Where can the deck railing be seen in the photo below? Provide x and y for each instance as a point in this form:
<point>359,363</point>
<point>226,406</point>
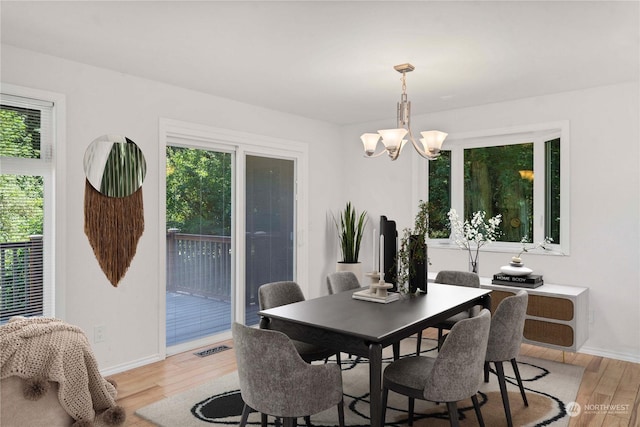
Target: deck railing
<point>21,278</point>
<point>199,264</point>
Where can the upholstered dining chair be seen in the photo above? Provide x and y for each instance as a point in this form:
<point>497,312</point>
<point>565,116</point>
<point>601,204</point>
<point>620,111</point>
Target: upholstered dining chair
<point>458,278</point>
<point>276,294</point>
<point>455,374</point>
<point>274,380</point>
<point>342,281</point>
<point>505,337</point>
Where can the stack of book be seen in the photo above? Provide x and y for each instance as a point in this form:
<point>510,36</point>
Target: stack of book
<point>366,295</point>
<point>528,281</point>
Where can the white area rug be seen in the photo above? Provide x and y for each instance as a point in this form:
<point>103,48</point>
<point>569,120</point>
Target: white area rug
<point>550,386</point>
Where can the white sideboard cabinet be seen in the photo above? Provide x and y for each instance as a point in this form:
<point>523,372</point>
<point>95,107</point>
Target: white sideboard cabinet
<point>557,315</point>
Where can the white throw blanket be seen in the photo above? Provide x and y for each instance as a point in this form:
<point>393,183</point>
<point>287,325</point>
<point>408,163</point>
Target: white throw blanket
<point>53,350</point>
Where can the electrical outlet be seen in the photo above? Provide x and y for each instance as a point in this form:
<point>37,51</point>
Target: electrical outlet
<point>99,334</point>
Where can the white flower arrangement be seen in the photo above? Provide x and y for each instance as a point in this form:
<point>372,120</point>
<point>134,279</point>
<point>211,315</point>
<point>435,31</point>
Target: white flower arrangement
<point>475,233</point>
<point>525,240</point>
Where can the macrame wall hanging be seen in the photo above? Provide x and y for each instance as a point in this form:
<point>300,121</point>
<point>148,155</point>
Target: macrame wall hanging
<point>113,210</point>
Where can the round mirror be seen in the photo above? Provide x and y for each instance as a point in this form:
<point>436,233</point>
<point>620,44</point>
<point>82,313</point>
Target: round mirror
<point>114,165</point>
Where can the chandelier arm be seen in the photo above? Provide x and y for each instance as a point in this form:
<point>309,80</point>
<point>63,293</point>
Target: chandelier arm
<point>397,153</point>
<point>419,149</point>
<point>378,154</point>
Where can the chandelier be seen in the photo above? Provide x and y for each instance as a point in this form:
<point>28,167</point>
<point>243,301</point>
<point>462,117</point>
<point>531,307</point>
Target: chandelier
<point>392,139</point>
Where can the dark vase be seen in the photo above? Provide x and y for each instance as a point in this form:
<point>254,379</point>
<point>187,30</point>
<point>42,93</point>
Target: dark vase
<point>418,264</point>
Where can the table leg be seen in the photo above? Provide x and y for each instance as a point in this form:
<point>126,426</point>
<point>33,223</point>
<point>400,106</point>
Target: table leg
<point>375,384</point>
<point>486,301</point>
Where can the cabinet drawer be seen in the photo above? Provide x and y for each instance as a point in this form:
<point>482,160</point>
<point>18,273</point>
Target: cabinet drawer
<point>550,307</point>
<point>546,332</point>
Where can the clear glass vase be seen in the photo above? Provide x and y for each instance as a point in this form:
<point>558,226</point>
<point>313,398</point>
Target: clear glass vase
<point>474,267</point>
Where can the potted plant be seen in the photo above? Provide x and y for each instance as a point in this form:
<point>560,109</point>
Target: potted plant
<point>412,255</point>
<point>350,227</point>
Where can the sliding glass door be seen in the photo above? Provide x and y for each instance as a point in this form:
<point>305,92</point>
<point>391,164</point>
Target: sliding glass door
<point>269,226</point>
<point>231,218</point>
<point>199,240</point>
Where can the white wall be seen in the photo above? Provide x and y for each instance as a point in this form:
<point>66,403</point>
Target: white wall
<point>605,193</point>
<point>99,102</point>
<point>605,199</point>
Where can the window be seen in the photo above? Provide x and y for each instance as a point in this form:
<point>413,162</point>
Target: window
<point>520,174</point>
<point>26,141</point>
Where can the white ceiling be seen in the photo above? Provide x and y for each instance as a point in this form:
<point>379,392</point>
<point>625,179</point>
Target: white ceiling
<point>333,60</point>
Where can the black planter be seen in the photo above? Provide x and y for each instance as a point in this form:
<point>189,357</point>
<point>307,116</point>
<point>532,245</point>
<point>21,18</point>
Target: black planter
<point>418,268</point>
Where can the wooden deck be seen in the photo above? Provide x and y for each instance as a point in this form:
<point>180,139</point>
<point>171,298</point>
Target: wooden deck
<point>191,317</point>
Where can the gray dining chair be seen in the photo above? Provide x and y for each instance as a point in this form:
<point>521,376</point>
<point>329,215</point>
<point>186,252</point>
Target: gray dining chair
<point>455,374</point>
<point>275,381</point>
<point>277,294</point>
<point>505,338</point>
<point>342,281</point>
<point>458,278</point>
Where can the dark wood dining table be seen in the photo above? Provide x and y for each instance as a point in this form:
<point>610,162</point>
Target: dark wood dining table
<point>364,328</point>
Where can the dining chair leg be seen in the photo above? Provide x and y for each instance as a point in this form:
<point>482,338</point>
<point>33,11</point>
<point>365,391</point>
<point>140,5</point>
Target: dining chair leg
<point>341,413</point>
<point>245,414</point>
<point>439,338</point>
<point>476,407</point>
<point>503,392</point>
<point>452,407</point>
<point>486,372</point>
<point>338,360</point>
<point>412,405</point>
<point>263,420</point>
<point>289,422</point>
<point>307,420</point>
<point>419,343</point>
<point>514,364</point>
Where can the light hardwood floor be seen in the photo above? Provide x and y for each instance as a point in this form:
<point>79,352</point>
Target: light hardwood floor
<point>608,383</point>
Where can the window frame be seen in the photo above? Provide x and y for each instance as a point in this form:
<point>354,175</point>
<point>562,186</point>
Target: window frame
<point>538,134</point>
<point>50,165</point>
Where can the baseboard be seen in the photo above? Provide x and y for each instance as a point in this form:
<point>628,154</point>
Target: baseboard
<point>130,365</point>
<point>627,357</point>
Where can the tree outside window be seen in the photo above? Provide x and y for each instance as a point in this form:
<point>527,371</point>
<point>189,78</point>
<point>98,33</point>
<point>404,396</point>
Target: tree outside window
<point>516,176</point>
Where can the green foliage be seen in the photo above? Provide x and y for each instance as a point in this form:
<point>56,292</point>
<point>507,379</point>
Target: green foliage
<point>439,196</point>
<point>493,184</point>
<point>350,230</point>
<point>413,245</point>
<point>199,191</point>
<point>21,196</point>
<point>552,189</point>
<point>19,133</point>
<point>498,180</point>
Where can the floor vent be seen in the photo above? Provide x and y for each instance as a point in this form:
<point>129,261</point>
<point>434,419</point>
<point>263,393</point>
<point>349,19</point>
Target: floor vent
<point>212,350</point>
